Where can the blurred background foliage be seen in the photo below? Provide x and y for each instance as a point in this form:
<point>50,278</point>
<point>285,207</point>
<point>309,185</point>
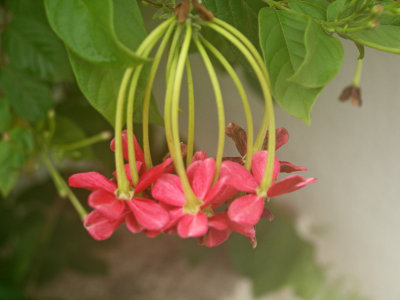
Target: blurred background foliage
<point>43,113</point>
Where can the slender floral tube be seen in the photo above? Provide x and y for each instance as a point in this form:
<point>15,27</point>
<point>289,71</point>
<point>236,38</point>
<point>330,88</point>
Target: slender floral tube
<point>246,107</point>
<point>149,42</point>
<point>191,114</point>
<point>268,121</point>
<point>192,203</point>
<point>219,103</point>
<point>147,95</point>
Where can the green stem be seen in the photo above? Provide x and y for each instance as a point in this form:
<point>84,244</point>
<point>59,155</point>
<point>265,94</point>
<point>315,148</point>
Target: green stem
<point>192,203</point>
<point>129,123</point>
<point>243,96</point>
<point>147,96</point>
<point>144,49</point>
<point>219,103</point>
<point>253,50</point>
<point>191,114</point>
<point>123,183</point>
<point>62,187</point>
<point>357,76</point>
<point>170,76</point>
<point>268,121</point>
<point>174,46</point>
<point>103,136</point>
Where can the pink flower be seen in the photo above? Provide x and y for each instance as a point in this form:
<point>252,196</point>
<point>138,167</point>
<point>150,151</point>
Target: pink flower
<point>168,189</point>
<point>247,210</point>
<point>138,150</point>
<point>139,212</point>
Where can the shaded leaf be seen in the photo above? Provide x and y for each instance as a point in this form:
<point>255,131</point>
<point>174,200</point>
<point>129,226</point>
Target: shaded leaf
<point>271,263</point>
<point>32,46</point>
<point>14,152</point>
<point>239,13</point>
<point>323,59</point>
<point>29,97</point>
<point>313,8</point>
<point>335,9</point>
<point>87,28</point>
<point>100,84</point>
<point>384,37</point>
<point>5,115</point>
<point>68,132</point>
<point>282,42</point>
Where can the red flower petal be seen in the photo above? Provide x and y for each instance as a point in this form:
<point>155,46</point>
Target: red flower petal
<point>132,224</point>
<point>168,189</point>
<point>203,177</point>
<point>219,221</point>
<point>288,167</point>
<point>92,181</point>
<point>246,230</point>
<point>99,226</point>
<point>258,164</point>
<point>217,237</point>
<point>106,203</point>
<point>288,185</point>
<point>138,150</point>
<point>238,177</point>
<point>150,176</point>
<point>219,193</point>
<point>246,210</point>
<point>192,225</point>
<point>148,213</point>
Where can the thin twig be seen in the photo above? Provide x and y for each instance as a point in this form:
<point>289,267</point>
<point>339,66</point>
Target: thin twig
<point>158,4</point>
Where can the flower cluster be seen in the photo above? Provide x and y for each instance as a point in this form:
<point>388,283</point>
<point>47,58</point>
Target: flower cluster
<point>202,197</point>
<point>157,203</point>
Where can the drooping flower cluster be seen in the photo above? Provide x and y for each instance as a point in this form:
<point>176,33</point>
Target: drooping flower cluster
<point>202,197</point>
<point>158,203</point>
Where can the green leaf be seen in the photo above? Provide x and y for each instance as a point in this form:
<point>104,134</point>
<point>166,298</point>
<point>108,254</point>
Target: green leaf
<point>384,38</point>
<point>282,42</point>
<point>313,8</point>
<point>239,13</point>
<point>87,28</point>
<point>335,9</point>
<point>28,9</point>
<point>324,57</point>
<point>29,97</point>
<point>100,84</point>
<point>14,152</point>
<point>5,115</point>
<point>32,46</point>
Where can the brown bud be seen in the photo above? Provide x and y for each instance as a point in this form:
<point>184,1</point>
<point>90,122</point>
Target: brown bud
<point>239,137</point>
<point>182,10</point>
<point>203,12</point>
<point>353,93</point>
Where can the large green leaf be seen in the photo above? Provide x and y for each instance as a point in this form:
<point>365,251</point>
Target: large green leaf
<point>239,13</point>
<point>100,84</point>
<point>5,115</point>
<point>87,28</point>
<point>282,41</point>
<point>32,46</point>
<point>313,8</point>
<point>324,57</point>
<point>30,98</point>
<point>384,37</point>
<point>335,9</point>
<point>14,152</point>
